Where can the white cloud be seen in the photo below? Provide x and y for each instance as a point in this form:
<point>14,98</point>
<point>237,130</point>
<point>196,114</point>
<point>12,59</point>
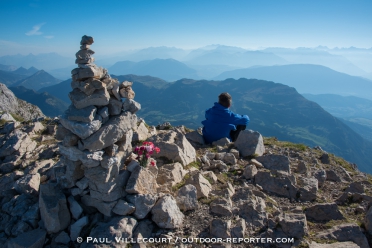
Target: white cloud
<point>35,30</point>
<point>49,36</point>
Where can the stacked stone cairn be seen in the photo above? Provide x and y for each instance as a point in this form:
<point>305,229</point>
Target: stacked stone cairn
<point>96,133</point>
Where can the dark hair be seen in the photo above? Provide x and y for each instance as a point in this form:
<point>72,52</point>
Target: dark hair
<point>225,99</point>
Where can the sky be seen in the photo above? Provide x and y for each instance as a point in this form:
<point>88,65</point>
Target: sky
<point>43,26</point>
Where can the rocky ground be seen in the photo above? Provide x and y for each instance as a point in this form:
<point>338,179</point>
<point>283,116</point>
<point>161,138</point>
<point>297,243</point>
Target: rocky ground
<point>289,191</point>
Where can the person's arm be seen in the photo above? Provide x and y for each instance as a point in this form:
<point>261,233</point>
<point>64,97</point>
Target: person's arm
<point>237,119</point>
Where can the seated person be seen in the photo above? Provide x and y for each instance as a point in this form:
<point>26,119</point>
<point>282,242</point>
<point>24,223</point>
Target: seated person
<point>221,122</point>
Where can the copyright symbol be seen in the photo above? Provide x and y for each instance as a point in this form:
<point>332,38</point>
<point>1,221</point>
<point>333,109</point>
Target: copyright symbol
<point>79,239</point>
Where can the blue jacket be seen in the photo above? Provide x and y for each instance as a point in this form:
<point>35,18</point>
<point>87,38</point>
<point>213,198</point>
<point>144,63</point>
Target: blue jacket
<point>220,121</point>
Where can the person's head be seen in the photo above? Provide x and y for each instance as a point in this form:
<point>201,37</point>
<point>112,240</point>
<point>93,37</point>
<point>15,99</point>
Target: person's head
<point>225,99</point>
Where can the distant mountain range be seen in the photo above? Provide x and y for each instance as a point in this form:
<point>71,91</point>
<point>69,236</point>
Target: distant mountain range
<point>354,111</point>
<point>167,69</point>
<point>353,61</point>
<point>45,61</point>
<point>313,79</point>
<point>38,80</point>
<point>50,105</point>
<point>275,110</point>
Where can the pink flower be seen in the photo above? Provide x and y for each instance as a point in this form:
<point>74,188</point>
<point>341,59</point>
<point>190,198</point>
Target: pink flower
<point>157,149</point>
<point>152,163</point>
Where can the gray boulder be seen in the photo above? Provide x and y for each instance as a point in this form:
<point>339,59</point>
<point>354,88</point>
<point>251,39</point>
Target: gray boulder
<point>81,100</point>
<point>195,137</point>
<point>250,171</point>
<point>174,146</point>
<point>123,208</point>
<point>28,184</point>
<point>166,213</point>
<point>114,106</point>
<point>368,221</point>
<point>76,228</point>
<point>202,185</point>
<point>75,208</point>
<point>53,208</point>
<point>275,162</point>
<point>82,129</point>
<point>221,206</point>
<point>324,212</point>
<point>103,207</point>
<point>86,114</point>
<point>142,203</point>
<point>141,181</point>
<point>345,232</point>
<point>131,106</point>
<point>31,239</point>
<point>249,143</point>
<point>16,141</point>
<point>110,132</point>
<point>282,185</point>
<point>187,197</point>
<point>117,228</point>
<point>294,225</point>
<point>220,228</point>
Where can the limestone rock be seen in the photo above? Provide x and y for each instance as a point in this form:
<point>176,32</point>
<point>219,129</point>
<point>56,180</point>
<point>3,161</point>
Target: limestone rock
<point>142,203</point>
<point>221,206</point>
<point>249,143</point>
<point>31,239</point>
<point>88,86</point>
<point>171,174</point>
<point>141,181</point>
<point>324,212</point>
<point>110,132</point>
<point>62,238</point>
<point>86,114</point>
<point>221,142</point>
<point>220,228</point>
<point>166,213</point>
<point>195,137</point>
<point>308,187</point>
<point>275,162</point>
<point>28,184</point>
<point>75,207</point>
<point>368,221</point>
<point>202,185</point>
<point>77,227</point>
<point>114,106</point>
<point>250,171</point>
<point>187,197</point>
<point>174,146</point>
<point>117,228</point>
<point>92,71</point>
<point>345,232</point>
<point>17,141</point>
<point>123,208</point>
<point>103,207</point>
<point>281,185</point>
<point>294,225</point>
<point>238,230</point>
<point>53,208</point>
<point>82,129</point>
<point>131,106</point>
<point>142,133</point>
<point>251,208</point>
<point>80,100</point>
<point>127,92</point>
<point>230,159</point>
<point>334,245</point>
<point>11,104</point>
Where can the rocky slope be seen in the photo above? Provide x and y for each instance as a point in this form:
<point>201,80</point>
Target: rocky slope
<point>76,182</point>
<point>10,104</point>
